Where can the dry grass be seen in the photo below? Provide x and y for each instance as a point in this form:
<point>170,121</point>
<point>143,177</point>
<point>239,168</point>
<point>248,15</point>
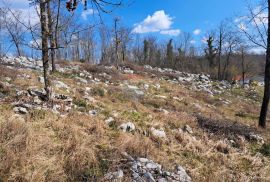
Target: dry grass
<point>43,146</point>
<point>7,72</point>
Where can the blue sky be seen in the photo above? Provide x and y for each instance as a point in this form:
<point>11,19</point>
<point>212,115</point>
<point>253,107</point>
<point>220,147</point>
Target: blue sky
<point>162,18</point>
<point>170,17</point>
<point>186,15</point>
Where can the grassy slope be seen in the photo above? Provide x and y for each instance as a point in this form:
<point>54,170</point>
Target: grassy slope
<point>42,146</point>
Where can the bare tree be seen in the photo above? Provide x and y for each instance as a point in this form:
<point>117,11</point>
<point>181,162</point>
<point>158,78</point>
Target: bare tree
<point>105,37</point>
<point>265,103</point>
<point>116,41</point>
<point>125,38</point>
<point>221,38</point>
<point>16,32</point>
<point>88,46</point>
<point>256,28</point>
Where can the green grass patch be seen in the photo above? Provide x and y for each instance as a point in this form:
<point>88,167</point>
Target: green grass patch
<point>265,150</point>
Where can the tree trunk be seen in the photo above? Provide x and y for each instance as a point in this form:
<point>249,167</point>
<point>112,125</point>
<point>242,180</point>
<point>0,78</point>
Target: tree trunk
<point>219,55</point>
<point>243,66</point>
<point>45,50</point>
<point>56,31</point>
<point>266,96</point>
<point>116,43</point>
<point>51,36</point>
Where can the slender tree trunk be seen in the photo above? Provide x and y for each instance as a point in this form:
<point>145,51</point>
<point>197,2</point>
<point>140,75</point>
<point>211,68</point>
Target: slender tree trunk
<point>266,96</point>
<point>51,36</point>
<point>243,66</point>
<point>116,42</point>
<point>219,56</point>
<point>18,49</point>
<point>56,30</point>
<point>45,50</point>
<point>225,69</point>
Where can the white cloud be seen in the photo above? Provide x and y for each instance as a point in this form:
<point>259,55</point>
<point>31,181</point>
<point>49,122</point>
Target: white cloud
<point>197,31</point>
<point>157,22</point>
<point>257,50</point>
<point>193,42</point>
<point>240,19</point>
<point>15,4</point>
<point>28,14</point>
<point>260,18</point>
<point>172,32</point>
<point>87,13</point>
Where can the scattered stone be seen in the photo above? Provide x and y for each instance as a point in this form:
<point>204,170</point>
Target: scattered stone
<point>23,62</point>
<point>158,133</point>
<point>188,129</point>
<point>143,160</point>
<point>161,96</point>
<point>20,110</point>
<point>21,93</point>
<point>182,175</point>
<point>59,84</point>
<point>36,92</point>
<point>25,76</point>
<point>37,100</point>
<point>148,177</point>
<point>128,71</point>
<point>81,80</point>
<point>90,99</point>
<point>146,170</point>
<point>109,120</point>
<point>146,86</point>
<point>127,127</point>
<point>7,79</point>
<point>93,112</point>
<point>255,137</point>
<point>41,79</point>
<point>114,175</point>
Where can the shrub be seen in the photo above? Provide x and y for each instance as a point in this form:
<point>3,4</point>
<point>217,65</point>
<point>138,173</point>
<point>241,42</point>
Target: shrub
<point>80,103</point>
<point>3,89</point>
<point>98,91</point>
<point>265,149</point>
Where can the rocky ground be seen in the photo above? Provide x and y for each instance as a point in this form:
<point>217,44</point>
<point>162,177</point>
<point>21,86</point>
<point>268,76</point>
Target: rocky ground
<point>133,124</point>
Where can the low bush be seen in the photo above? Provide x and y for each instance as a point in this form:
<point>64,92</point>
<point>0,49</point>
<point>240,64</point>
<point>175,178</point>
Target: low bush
<point>265,149</point>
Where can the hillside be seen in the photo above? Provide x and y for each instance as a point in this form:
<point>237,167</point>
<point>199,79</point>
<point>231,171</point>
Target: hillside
<point>136,124</point>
